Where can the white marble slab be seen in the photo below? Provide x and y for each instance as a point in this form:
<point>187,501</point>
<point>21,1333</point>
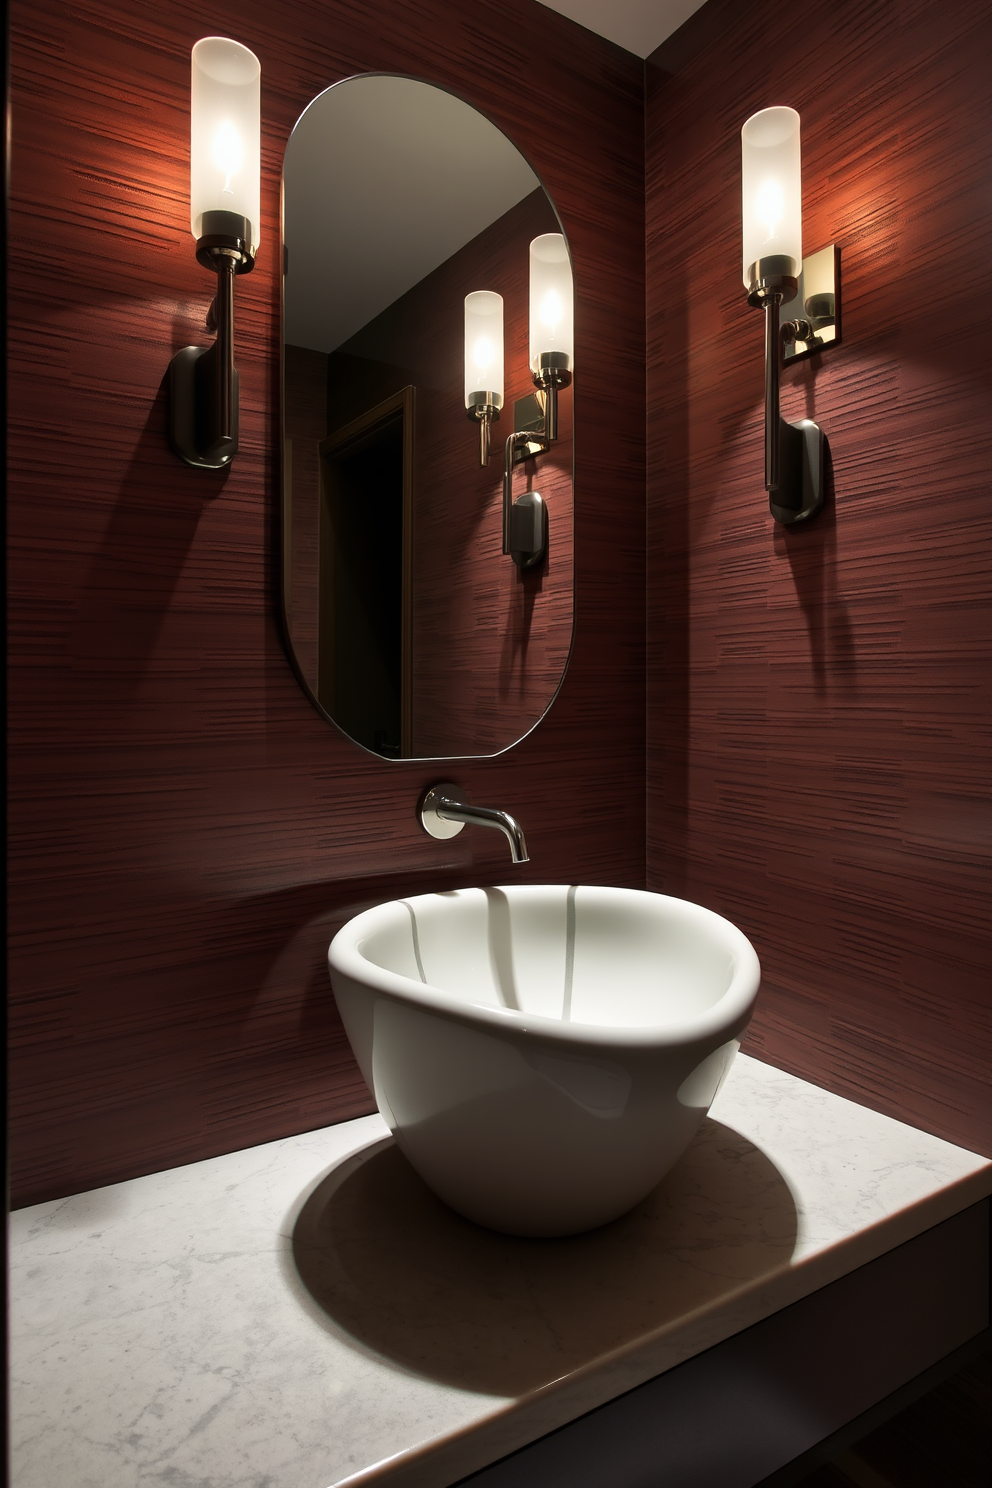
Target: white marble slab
<point>306,1314</point>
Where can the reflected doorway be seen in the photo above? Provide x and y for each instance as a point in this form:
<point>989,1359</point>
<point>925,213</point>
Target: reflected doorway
<point>365,594</point>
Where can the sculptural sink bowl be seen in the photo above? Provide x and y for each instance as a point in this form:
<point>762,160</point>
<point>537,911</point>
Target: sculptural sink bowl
<point>543,1054</point>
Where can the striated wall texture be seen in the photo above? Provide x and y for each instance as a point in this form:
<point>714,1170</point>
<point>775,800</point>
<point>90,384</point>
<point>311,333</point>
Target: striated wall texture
<point>820,700</point>
<point>186,831</point>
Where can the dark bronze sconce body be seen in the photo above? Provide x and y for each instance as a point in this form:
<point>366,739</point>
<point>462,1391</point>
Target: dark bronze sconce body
<point>203,380</point>
<point>794,453</point>
<point>225,134</point>
<point>535,418</point>
<point>525,521</point>
<point>774,270</point>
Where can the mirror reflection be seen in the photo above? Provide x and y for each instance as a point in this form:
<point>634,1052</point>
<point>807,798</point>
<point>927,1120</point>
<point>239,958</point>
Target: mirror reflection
<point>427,318</point>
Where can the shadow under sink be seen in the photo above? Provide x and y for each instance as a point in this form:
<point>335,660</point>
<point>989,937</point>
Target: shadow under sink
<point>404,1275</point>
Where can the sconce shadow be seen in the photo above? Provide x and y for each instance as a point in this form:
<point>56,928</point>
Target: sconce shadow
<point>517,634</point>
<point>680,494</point>
<point>125,596</point>
<point>811,551</point>
<point>404,1275</point>
<point>290,996</point>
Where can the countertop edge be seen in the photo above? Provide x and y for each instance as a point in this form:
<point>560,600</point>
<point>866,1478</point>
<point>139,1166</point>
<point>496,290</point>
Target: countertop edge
<point>445,1460</point>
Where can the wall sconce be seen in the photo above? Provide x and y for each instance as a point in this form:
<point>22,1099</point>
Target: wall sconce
<point>484,362</point>
<point>551,336</point>
<point>771,182</point>
<point>525,521</point>
<point>224,217</point>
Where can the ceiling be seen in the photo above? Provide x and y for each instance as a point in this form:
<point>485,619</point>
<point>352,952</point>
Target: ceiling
<point>637,25</point>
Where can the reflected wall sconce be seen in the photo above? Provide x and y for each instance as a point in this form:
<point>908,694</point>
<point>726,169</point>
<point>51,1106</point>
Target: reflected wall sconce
<point>551,319</point>
<point>551,351</point>
<point>224,217</point>
<point>780,282</point>
<point>484,362</point>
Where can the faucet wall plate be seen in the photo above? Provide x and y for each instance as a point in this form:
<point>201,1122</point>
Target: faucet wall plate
<point>434,825</point>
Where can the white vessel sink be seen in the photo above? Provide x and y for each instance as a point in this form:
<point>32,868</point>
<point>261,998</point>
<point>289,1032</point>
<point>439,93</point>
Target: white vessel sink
<point>543,1054</point>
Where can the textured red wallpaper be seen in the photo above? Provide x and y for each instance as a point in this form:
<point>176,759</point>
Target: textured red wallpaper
<point>186,832</point>
<point>820,700</point>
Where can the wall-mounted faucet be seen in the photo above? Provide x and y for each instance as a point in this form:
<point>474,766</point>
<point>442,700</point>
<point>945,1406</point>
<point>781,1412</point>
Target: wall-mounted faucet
<point>443,814</point>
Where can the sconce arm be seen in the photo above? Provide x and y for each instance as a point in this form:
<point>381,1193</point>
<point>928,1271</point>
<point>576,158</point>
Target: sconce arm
<point>203,398</point>
<point>794,453</point>
<point>225,399</point>
<point>549,379</point>
<point>484,409</point>
<point>800,330</point>
<point>773,343</point>
<point>795,492</point>
<point>520,436</point>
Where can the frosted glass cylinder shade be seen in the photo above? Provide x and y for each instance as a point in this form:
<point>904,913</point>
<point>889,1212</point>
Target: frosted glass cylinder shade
<point>224,133</point>
<point>483,348</point>
<point>772,192</point>
<point>551,333</point>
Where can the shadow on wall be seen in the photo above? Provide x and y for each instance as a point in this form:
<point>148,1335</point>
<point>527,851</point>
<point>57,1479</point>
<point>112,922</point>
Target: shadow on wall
<point>670,520</point>
<point>811,549</point>
<point>128,591</point>
<point>291,987</point>
<point>401,1272</point>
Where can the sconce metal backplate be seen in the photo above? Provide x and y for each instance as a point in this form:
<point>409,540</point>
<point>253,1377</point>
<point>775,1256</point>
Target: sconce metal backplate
<point>528,413</point>
<point>821,308</point>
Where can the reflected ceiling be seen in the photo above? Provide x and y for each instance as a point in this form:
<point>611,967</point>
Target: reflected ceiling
<point>637,25</point>
<point>360,247</point>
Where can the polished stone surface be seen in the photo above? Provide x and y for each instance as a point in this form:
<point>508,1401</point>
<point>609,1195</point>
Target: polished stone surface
<point>306,1313</point>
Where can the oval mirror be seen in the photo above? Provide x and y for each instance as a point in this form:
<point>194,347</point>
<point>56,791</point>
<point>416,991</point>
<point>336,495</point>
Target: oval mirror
<point>428,611</point>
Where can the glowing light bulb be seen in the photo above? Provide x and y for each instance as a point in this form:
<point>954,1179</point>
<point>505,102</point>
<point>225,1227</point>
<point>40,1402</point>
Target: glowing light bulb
<point>550,310</point>
<point>769,206</point>
<point>483,354</point>
<point>771,195</point>
<point>228,153</point>
<point>483,349</point>
<point>224,134</point>
<point>550,303</point>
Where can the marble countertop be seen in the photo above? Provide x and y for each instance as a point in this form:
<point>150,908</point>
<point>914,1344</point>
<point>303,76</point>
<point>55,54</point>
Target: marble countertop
<point>306,1314</point>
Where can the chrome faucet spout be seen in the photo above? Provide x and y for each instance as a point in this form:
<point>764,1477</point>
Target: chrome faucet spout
<point>486,816</point>
<point>442,814</point>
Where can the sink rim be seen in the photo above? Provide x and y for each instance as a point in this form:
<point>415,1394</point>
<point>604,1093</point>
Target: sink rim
<point>730,1012</point>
